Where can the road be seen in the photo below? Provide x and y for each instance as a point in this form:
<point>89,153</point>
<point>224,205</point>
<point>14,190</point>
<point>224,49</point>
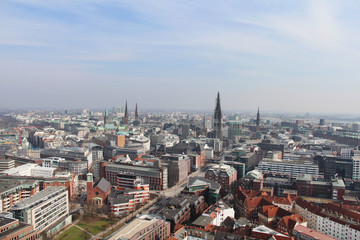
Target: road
<point>175,190</point>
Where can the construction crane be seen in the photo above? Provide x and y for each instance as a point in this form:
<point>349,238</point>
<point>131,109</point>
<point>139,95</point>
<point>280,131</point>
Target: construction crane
<point>19,130</point>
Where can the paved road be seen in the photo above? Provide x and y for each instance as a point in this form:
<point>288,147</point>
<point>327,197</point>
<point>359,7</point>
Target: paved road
<point>175,190</point>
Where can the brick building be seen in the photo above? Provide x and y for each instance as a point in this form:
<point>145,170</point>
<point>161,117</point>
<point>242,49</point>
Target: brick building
<point>13,191</point>
<point>97,193</point>
<point>307,185</point>
<point>14,229</point>
<point>224,175</point>
<point>156,177</point>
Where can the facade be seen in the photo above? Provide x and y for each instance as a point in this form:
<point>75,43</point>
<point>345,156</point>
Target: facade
<point>117,139</point>
<point>145,227</point>
<point>139,141</point>
<point>135,152</point>
<point>183,208</point>
<point>209,189</point>
<point>335,166</point>
<point>250,159</point>
<point>223,174</point>
<point>52,162</point>
<point>253,180</point>
<point>6,164</point>
<point>306,185</point>
<point>121,204</point>
<point>291,167</point>
<point>208,122</point>
<point>13,191</point>
<point>356,168</point>
<point>330,219</point>
<point>11,229</point>
<point>219,212</point>
<point>129,193</point>
<point>78,167</point>
<point>44,208</point>
<point>157,178</point>
<point>178,166</point>
<point>97,193</point>
<point>70,153</point>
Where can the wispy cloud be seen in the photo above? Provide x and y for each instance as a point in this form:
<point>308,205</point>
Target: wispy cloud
<point>198,46</point>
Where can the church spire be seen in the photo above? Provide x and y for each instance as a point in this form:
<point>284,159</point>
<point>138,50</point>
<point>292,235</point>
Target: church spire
<point>106,117</point>
<point>218,118</point>
<point>126,116</point>
<point>258,118</point>
<point>136,112</point>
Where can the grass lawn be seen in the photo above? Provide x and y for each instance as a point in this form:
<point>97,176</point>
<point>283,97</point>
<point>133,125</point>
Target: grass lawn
<point>74,233</point>
<point>96,225</point>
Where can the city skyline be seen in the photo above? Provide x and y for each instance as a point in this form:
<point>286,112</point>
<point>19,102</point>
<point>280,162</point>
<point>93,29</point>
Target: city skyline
<point>285,56</point>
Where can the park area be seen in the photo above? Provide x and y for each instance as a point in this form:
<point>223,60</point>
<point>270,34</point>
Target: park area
<point>86,227</point>
<point>74,233</point>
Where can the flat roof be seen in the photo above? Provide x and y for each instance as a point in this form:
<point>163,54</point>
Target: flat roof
<point>132,167</point>
<point>38,197</point>
<point>129,230</point>
<point>202,221</point>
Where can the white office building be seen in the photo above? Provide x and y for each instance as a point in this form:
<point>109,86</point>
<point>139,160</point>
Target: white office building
<point>30,169</point>
<point>44,208</point>
<point>290,167</point>
<point>356,168</point>
<point>52,162</point>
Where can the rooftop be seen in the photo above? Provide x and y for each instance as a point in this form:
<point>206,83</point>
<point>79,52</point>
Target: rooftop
<point>312,233</point>
<point>264,229</point>
<point>138,224</point>
<point>38,198</point>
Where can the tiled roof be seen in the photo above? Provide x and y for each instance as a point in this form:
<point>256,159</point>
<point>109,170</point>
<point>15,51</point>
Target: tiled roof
<point>312,233</point>
<point>104,185</point>
<point>289,222</point>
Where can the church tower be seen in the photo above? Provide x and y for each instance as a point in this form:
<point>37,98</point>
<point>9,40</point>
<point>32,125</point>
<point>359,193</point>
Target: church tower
<point>106,117</point>
<point>258,120</point>
<point>136,112</point>
<point>218,118</point>
<point>126,116</point>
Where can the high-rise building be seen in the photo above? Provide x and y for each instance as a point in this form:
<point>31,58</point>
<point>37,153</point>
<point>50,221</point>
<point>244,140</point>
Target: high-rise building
<point>218,118</point>
<point>185,130</point>
<point>356,168</point>
<point>208,122</point>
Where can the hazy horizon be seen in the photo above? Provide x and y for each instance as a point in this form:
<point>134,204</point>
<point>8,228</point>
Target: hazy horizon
<point>287,56</point>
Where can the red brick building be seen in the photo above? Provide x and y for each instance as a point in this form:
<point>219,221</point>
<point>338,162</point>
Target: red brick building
<point>223,174</point>
<point>13,229</point>
<point>98,192</point>
<point>70,182</point>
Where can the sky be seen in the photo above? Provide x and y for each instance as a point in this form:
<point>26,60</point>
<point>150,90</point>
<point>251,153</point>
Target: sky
<point>289,55</point>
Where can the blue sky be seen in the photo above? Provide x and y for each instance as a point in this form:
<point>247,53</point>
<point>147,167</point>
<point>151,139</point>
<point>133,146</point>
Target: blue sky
<point>299,56</point>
